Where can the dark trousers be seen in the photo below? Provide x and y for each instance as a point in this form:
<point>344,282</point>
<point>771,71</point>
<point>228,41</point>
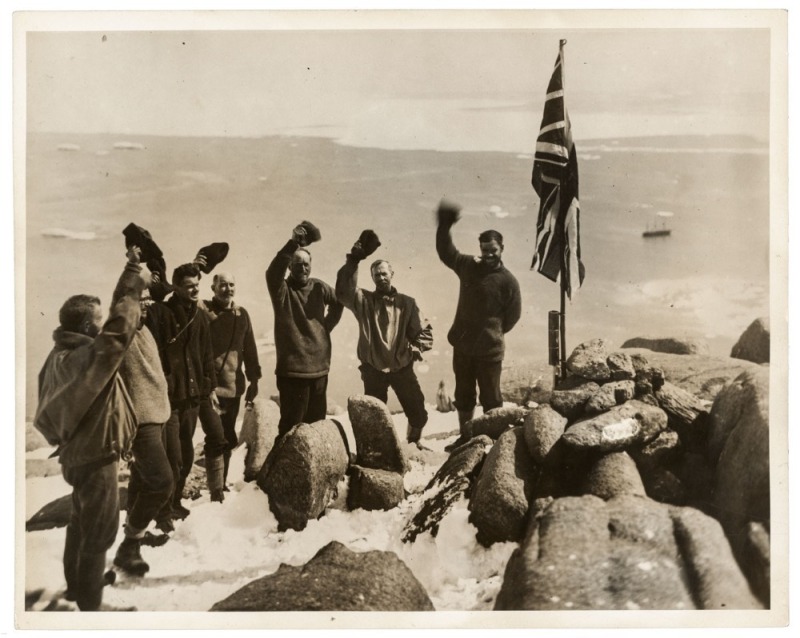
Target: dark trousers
<point>470,371</point>
<point>92,529</point>
<point>172,446</point>
<point>302,401</point>
<point>187,415</point>
<point>230,411</point>
<point>406,387</point>
<point>151,480</point>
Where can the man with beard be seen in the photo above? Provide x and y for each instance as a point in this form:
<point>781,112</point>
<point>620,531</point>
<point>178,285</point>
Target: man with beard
<point>234,346</point>
<point>392,334</point>
<point>306,311</point>
<point>489,305</point>
<point>84,409</point>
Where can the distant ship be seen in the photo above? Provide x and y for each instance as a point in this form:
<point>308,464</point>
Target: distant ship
<point>659,225</point>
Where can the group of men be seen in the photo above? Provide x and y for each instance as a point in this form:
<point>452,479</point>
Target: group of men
<point>135,385</point>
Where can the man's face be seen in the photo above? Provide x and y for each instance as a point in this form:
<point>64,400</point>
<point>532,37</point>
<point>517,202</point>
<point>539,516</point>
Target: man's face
<point>224,288</point>
<point>94,324</point>
<point>491,252</point>
<point>300,267</point>
<point>382,276</point>
<point>188,290</point>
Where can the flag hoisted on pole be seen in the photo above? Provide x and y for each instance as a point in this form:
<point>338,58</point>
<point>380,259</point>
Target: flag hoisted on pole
<point>555,180</point>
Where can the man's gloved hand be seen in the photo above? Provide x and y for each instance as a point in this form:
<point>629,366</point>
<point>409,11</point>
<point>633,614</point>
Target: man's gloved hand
<point>306,233</point>
<point>366,244</point>
<point>252,392</point>
<point>448,212</point>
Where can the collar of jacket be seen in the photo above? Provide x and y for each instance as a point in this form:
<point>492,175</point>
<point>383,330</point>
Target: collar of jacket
<point>389,295</point>
<point>70,340</point>
<point>215,306</point>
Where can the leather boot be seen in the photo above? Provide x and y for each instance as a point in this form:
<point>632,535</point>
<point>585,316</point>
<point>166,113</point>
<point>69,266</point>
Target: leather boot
<point>130,558</point>
<point>413,434</point>
<point>465,429</point>
<point>215,469</point>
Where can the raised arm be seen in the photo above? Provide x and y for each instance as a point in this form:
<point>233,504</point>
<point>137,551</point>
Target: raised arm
<point>277,267</point>
<point>447,214</point>
<point>347,283</point>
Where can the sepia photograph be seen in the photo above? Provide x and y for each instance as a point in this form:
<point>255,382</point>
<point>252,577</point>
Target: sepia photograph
<point>473,319</point>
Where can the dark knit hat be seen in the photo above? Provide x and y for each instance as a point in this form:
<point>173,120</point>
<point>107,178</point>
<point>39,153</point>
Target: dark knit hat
<point>214,254</point>
<point>312,232</point>
<point>138,236</point>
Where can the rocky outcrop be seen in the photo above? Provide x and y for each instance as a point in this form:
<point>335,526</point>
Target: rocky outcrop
<point>303,473</point>
<point>632,423</point>
<point>589,361</point>
<point>372,489</point>
<point>614,475</point>
<point>542,429</point>
<point>377,444</point>
<point>335,579</point>
<point>452,482</point>
<point>258,434</point>
<point>499,503</point>
<point>571,394</point>
<point>738,449</point>
<point>703,376</point>
<point>753,344</point>
<point>669,345</point>
<point>626,553</point>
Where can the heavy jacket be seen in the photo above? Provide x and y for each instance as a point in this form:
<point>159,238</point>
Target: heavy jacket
<point>304,318</point>
<point>233,344</point>
<point>84,407</point>
<point>489,302</point>
<point>184,342</point>
<point>390,327</point>
<point>144,378</point>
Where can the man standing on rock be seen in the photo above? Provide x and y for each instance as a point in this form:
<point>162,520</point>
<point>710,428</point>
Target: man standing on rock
<point>85,409</point>
<point>234,347</point>
<point>489,305</point>
<point>306,311</point>
<point>392,333</point>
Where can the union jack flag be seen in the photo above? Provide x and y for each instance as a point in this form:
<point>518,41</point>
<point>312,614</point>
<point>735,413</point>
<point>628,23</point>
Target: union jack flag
<point>555,180</point>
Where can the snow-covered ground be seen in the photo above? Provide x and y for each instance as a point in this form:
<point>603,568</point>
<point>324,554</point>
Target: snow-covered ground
<point>221,547</point>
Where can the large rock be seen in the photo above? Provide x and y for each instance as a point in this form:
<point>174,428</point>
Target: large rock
<point>738,447</point>
<point>499,503</point>
<point>756,562</point>
<point>372,489</point>
<point>571,395</point>
<point>609,395</point>
<point>670,345</point>
<point>377,444</point>
<point>494,422</point>
<point>258,434</point>
<point>336,579</point>
<point>304,470</point>
<point>753,344</point>
<point>452,482</point>
<point>686,414</point>
<point>542,429</point>
<point>621,366</point>
<point>589,360</point>
<point>633,422</point>
<point>626,553</point>
<point>701,375</point>
<point>614,474</point>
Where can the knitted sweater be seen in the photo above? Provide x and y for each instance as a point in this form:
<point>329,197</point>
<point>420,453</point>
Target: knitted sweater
<point>144,378</point>
<point>489,302</point>
<point>304,318</point>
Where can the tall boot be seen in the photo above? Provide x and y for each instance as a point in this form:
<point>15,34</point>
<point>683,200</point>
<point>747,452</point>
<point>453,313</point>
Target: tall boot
<point>465,429</point>
<point>129,556</point>
<point>215,468</point>
<point>178,510</point>
<point>226,456</point>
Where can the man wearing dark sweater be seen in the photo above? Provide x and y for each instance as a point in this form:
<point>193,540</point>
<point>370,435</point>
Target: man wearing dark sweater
<point>234,347</point>
<point>489,305</point>
<point>306,311</point>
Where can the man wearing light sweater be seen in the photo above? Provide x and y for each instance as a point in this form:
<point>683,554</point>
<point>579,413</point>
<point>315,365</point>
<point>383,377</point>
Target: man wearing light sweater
<point>151,479</point>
